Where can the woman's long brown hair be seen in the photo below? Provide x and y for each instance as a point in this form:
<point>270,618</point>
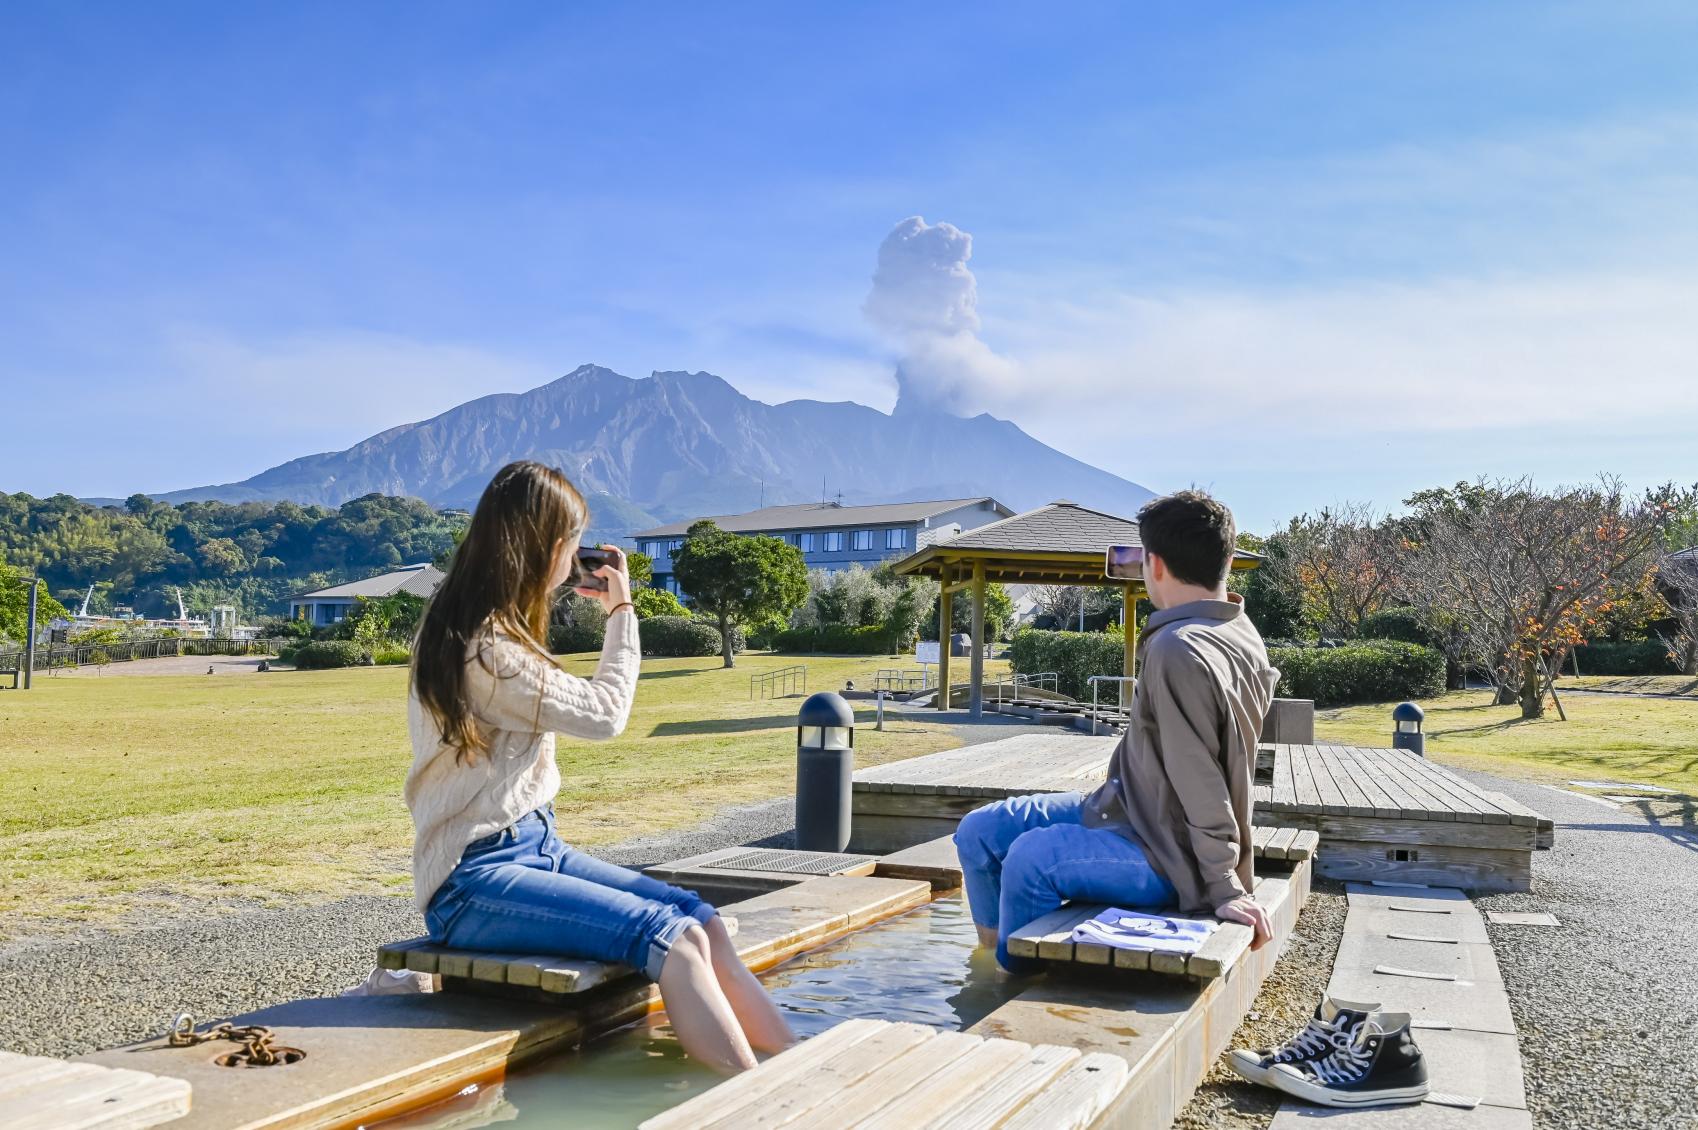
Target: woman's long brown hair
<point>498,578</point>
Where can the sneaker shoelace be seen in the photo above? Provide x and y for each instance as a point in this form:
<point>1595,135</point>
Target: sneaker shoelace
<point>1319,1038</point>
<point>1347,1063</point>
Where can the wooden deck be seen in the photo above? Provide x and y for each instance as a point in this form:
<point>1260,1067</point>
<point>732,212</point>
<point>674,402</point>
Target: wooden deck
<point>876,1075</point>
<point>41,1093</point>
<point>1381,813</point>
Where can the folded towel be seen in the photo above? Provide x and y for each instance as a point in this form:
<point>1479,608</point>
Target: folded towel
<point>1153,933</point>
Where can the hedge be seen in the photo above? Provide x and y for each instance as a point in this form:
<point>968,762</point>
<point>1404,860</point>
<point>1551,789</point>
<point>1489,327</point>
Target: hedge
<point>684,636</point>
<point>331,653</point>
<point>1073,656</point>
<point>835,639</point>
<point>568,639</point>
<point>1399,623</point>
<point>1636,657</point>
<point>1369,671</point>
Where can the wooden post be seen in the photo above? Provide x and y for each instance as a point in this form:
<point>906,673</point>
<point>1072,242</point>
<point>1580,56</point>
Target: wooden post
<point>976,697</point>
<point>945,621</point>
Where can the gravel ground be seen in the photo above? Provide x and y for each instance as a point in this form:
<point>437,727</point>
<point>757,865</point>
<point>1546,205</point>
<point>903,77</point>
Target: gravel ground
<point>68,995</point>
<point>1604,1002</point>
<point>1282,1008</point>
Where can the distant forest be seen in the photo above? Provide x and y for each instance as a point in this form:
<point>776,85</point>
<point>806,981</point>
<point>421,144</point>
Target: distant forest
<point>254,555</point>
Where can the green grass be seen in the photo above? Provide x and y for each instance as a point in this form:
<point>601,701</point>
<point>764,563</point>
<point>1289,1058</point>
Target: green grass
<point>1653,741</point>
<point>123,796</point>
<point>1634,684</point>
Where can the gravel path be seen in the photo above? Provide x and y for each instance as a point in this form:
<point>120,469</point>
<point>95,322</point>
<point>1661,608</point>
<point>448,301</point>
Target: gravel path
<point>1604,1002</point>
<point>71,995</point>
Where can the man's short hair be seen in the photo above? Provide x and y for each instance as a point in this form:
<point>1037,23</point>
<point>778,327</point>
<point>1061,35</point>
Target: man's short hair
<point>1193,533</point>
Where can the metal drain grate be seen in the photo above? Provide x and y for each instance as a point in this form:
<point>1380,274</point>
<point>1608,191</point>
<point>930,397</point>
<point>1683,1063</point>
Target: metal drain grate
<point>790,862</point>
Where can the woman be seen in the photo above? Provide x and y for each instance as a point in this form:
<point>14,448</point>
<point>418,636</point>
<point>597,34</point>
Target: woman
<point>489,873</point>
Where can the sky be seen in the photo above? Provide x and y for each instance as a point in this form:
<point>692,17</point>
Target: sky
<point>1296,253</point>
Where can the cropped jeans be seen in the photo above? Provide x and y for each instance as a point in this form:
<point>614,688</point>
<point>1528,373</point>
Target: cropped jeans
<point>521,890</point>
<point>1023,857</point>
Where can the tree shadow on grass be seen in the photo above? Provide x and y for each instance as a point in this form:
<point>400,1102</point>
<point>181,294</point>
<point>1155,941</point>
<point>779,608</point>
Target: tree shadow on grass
<point>723,726</point>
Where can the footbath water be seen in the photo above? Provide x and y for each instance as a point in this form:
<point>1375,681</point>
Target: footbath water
<point>918,966</point>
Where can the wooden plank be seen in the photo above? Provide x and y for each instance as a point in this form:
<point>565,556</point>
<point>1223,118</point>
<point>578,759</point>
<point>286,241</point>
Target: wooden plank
<point>934,1098</point>
<point>1479,869</point>
<point>935,861</point>
<point>1220,950</point>
<point>43,1093</point>
<point>1332,798</point>
<point>1373,782</point>
<point>1462,797</point>
<point>819,1086</point>
<point>1006,1091</point>
<point>1303,781</point>
<point>1073,1100</point>
<point>940,1055</point>
<point>1279,844</point>
<point>1303,845</point>
<point>1424,803</point>
<point>394,955</point>
<point>1051,936</point>
<point>752,1086</point>
<point>1344,774</point>
<point>1284,790</point>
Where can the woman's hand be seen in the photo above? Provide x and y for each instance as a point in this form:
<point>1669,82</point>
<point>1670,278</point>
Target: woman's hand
<point>618,580</point>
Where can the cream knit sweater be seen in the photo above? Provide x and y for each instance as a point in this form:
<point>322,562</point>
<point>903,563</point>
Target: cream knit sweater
<point>520,701</point>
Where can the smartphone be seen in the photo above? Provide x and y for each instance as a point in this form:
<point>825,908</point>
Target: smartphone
<point>589,560</point>
<point>1124,563</point>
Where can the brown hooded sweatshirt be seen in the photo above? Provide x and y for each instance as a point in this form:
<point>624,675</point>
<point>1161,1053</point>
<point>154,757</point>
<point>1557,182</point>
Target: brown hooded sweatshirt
<point>1179,781</point>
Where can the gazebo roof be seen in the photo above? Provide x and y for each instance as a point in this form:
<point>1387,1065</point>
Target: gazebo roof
<point>1062,543</point>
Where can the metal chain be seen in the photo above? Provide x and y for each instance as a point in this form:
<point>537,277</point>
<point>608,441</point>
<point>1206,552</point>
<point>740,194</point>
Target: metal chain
<point>254,1038</point>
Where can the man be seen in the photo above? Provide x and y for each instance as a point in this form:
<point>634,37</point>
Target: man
<point>1171,824</point>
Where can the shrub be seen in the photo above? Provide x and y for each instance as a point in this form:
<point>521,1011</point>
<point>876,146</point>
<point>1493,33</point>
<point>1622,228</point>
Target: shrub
<point>1633,657</point>
<point>580,625</point>
<point>391,655</point>
<point>650,603</point>
<point>286,652</point>
<point>682,636</point>
<point>836,639</point>
<point>763,634</point>
<point>1073,656</point>
<point>1369,671</point>
<point>1404,624</point>
<point>331,653</point>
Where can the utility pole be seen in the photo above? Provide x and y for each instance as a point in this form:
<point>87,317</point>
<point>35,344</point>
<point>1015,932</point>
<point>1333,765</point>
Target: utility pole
<point>29,637</point>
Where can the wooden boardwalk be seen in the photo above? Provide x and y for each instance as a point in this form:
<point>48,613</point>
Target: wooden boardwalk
<point>41,1093</point>
<point>1381,813</point>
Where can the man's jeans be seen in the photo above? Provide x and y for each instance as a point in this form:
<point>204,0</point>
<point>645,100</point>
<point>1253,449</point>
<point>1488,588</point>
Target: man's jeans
<point>1023,857</point>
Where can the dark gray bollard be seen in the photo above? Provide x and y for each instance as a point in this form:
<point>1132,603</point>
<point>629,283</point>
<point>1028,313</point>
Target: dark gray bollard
<point>825,768</point>
<point>1406,728</point>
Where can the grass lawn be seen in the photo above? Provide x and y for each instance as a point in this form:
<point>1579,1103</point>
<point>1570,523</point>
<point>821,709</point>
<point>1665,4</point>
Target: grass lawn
<point>1633,684</point>
<point>1648,740</point>
<point>156,792</point>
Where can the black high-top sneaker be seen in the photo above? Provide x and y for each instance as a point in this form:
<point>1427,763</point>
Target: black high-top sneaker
<point>1334,1025</point>
<point>1380,1067</point>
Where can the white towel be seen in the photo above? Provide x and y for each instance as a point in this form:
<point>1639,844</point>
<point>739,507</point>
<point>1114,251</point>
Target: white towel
<point>1136,930</point>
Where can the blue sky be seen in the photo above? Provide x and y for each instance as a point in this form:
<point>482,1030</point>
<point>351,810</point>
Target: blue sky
<point>1299,253</point>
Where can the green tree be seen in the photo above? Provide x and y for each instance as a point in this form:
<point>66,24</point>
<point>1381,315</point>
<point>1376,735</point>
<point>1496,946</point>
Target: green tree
<point>656,602</point>
<point>738,579</point>
<point>641,568</point>
<point>14,605</point>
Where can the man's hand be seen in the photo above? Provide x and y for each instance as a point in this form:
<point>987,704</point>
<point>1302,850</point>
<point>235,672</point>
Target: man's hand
<point>1248,911</point>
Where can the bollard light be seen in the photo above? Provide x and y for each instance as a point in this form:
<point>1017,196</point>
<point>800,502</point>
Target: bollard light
<point>1406,728</point>
<point>825,767</point>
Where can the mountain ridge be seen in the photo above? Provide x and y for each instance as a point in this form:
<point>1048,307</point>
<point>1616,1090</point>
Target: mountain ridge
<point>677,444</point>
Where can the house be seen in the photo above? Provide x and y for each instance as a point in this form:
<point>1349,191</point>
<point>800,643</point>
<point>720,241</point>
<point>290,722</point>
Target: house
<point>832,536</point>
<point>327,606</point>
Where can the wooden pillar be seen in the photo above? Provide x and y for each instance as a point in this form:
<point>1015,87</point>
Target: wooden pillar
<point>1129,603</point>
<point>945,620</point>
<point>976,697</point>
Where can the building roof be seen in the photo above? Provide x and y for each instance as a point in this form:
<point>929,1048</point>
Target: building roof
<point>1060,543</point>
<point>824,515</point>
<point>420,580</point>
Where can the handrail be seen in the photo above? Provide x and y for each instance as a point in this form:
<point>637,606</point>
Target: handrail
<point>794,680</point>
<point>1095,679</point>
<point>1043,680</point>
<point>125,651</point>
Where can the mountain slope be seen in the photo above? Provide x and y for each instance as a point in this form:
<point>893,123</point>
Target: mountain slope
<point>675,445</point>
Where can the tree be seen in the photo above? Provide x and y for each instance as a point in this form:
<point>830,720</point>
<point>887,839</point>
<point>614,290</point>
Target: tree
<point>1677,581</point>
<point>1277,613</point>
<point>640,566</point>
<point>656,602</point>
<point>1338,566</point>
<point>14,605</point>
<point>1524,573</point>
<point>738,579</point>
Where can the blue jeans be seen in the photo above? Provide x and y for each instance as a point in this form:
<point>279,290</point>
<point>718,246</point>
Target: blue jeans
<point>1023,857</point>
<point>521,890</point>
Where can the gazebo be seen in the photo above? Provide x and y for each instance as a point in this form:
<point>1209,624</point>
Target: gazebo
<point>1062,543</point>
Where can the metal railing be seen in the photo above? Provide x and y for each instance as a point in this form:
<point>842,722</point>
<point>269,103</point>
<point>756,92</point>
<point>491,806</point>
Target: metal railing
<point>1125,703</point>
<point>896,679</point>
<point>100,654</point>
<point>1042,680</point>
<point>780,683</point>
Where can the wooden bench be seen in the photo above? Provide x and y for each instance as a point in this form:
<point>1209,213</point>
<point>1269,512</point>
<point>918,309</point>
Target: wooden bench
<point>543,973</point>
<point>878,1075</point>
<point>1050,938</point>
<point>15,672</point>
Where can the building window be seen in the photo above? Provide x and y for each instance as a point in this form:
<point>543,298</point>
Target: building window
<point>861,539</point>
<point>896,539</point>
<point>674,545</point>
<point>834,541</point>
<point>805,542</point>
